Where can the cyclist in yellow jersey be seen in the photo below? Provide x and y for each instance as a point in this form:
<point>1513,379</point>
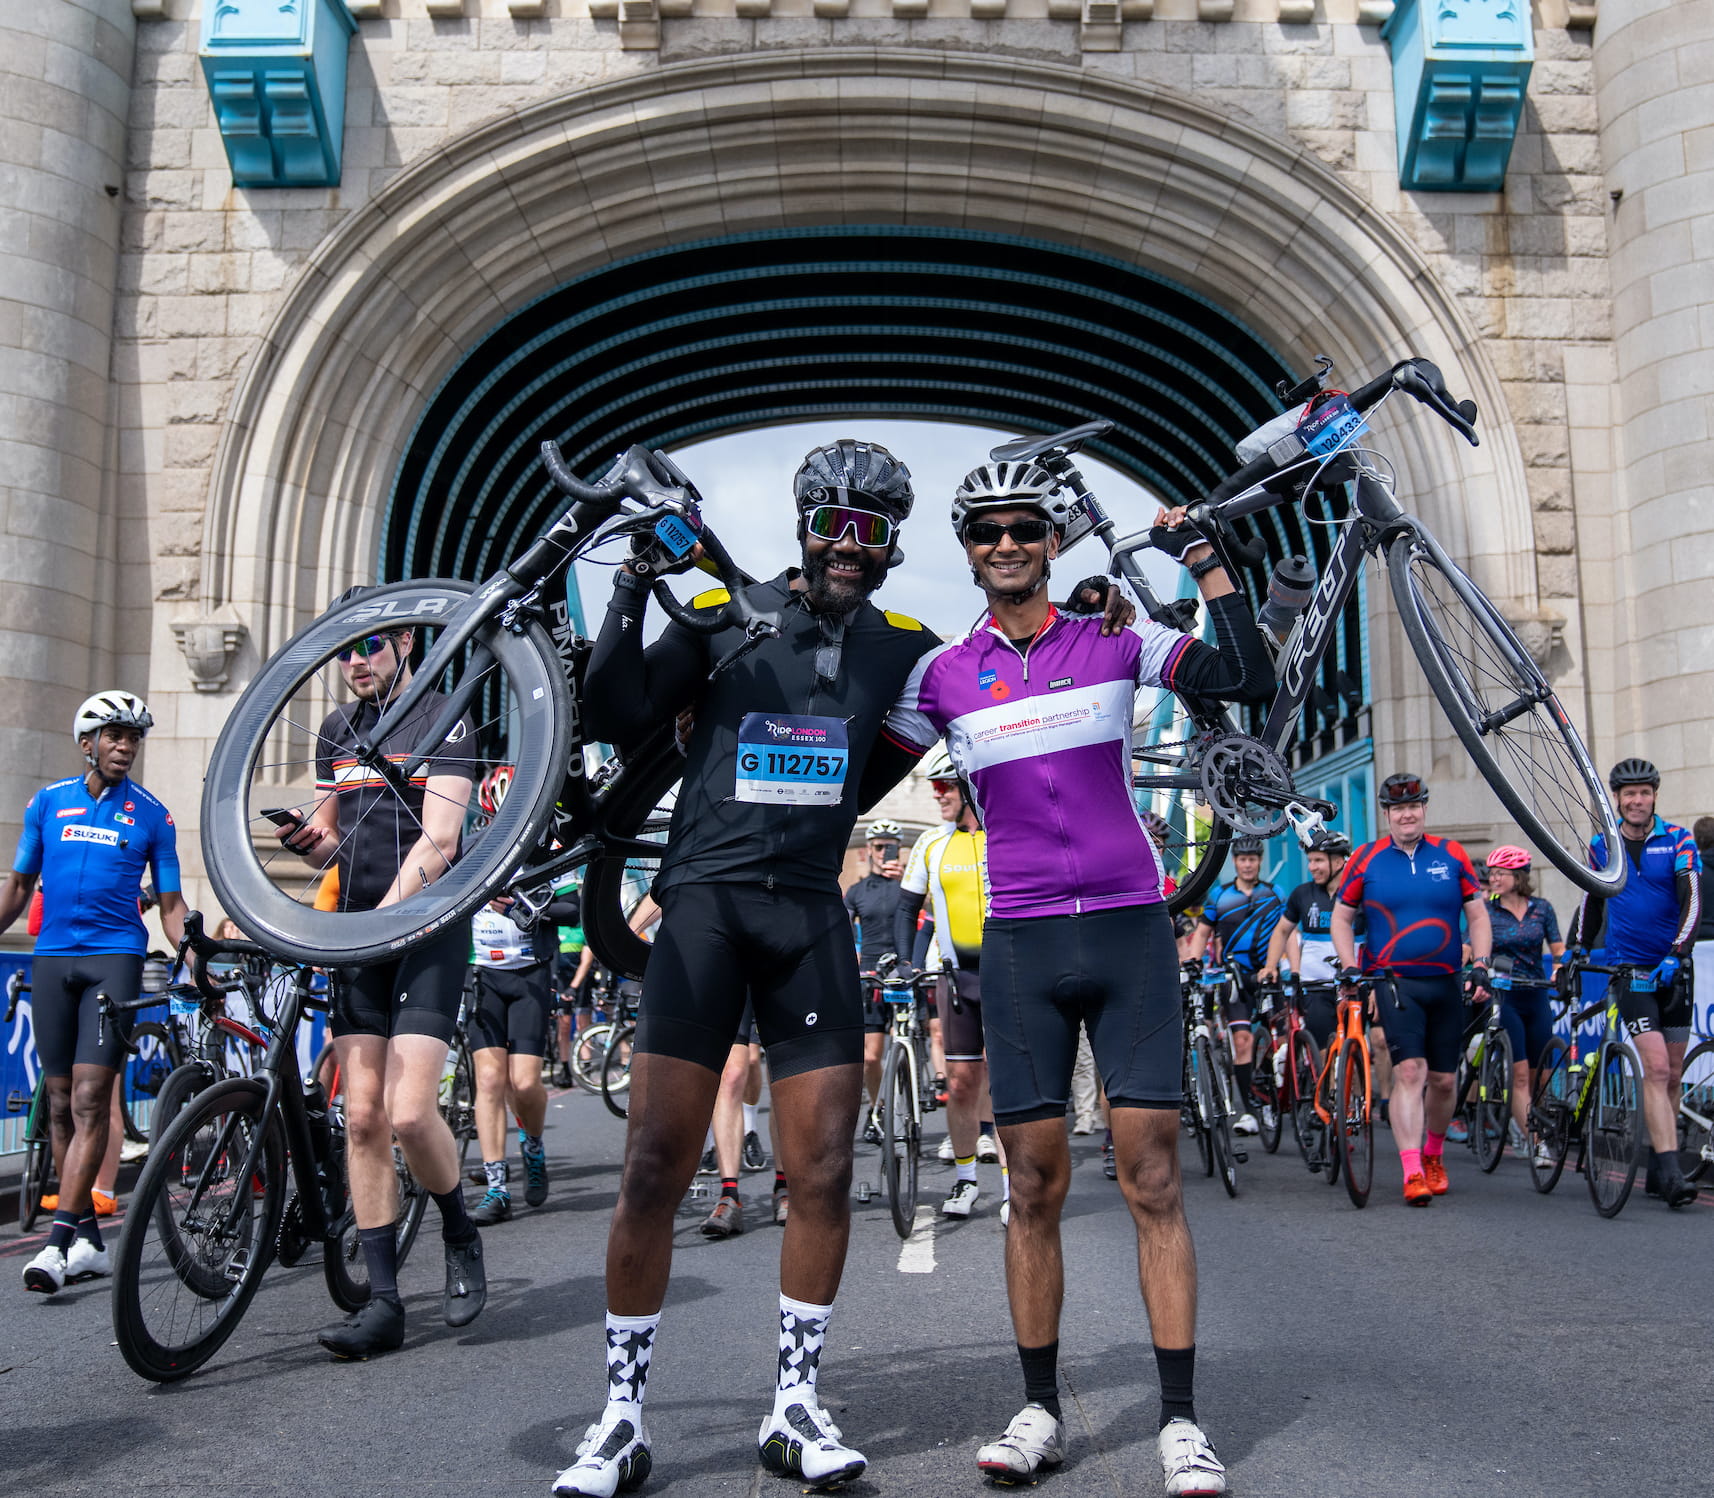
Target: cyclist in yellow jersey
<point>949,865</point>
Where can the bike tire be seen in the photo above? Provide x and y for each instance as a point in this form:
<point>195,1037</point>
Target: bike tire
<point>1330,1150</point>
<point>588,1051</point>
<point>265,755</point>
<point>132,1099</point>
<point>458,1100</point>
<point>1613,1129</point>
<point>182,1084</point>
<point>1493,1102</point>
<point>1550,1113</point>
<point>1535,761</point>
<point>179,1294</point>
<point>1354,1122</point>
<point>616,1071</point>
<point>1220,1119</point>
<point>1694,1143</point>
<point>899,1153</point>
<point>344,1266</point>
<point>636,804</point>
<point>38,1161</point>
<point>1268,1117</point>
<point>1190,1110</point>
<point>1305,1067</point>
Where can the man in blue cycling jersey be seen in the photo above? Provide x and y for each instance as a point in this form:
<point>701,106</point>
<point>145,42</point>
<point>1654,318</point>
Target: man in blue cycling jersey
<point>1227,910</point>
<point>92,837</point>
<point>1652,924</point>
<point>1036,708</point>
<point>1411,888</point>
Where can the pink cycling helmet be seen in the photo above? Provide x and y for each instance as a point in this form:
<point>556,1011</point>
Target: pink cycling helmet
<point>1508,857</point>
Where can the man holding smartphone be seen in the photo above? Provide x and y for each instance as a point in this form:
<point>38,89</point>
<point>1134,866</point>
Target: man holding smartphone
<point>872,902</point>
<point>392,1021</point>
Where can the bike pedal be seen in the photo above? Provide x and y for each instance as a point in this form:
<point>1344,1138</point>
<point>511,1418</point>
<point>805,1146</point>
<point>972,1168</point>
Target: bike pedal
<point>1242,1157</point>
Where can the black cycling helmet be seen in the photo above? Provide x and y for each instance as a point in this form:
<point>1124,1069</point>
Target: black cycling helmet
<point>862,474</point>
<point>1633,772</point>
<point>1328,841</point>
<point>1402,789</point>
<point>1246,845</point>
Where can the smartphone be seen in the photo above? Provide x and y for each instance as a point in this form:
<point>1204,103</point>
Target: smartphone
<point>889,851</point>
<point>281,816</point>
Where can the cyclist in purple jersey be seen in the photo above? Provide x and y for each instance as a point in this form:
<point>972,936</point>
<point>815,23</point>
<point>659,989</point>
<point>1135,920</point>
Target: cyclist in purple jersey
<point>1651,923</point>
<point>1411,889</point>
<point>1036,708</point>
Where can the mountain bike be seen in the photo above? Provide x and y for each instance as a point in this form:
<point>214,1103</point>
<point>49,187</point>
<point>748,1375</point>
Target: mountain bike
<point>1207,1106</point>
<point>504,652</point>
<point>210,1209</point>
<point>1594,1101</point>
<point>38,1172</point>
<point>907,1086</point>
<point>1211,781</point>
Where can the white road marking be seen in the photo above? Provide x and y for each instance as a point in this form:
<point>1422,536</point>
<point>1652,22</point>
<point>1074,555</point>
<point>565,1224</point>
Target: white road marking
<point>916,1255</point>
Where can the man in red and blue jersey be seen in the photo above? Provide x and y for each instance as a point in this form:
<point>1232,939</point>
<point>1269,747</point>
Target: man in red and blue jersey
<point>91,837</point>
<point>1036,708</point>
<point>1651,924</point>
<point>1410,889</point>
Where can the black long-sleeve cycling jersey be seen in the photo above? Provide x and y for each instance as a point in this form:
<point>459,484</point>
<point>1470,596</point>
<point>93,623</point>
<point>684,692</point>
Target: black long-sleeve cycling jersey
<point>780,760</point>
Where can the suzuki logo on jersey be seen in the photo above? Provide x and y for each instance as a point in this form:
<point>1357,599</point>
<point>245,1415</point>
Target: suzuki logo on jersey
<point>76,832</point>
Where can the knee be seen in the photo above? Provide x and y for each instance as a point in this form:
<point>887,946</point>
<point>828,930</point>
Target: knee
<point>653,1168</point>
<point>1411,1073</point>
<point>366,1124</point>
<point>1150,1182</point>
<point>91,1104</point>
<point>414,1119</point>
<point>1656,1072</point>
<point>825,1183</point>
<point>1041,1183</point>
<point>1440,1083</point>
<point>873,1044</point>
<point>962,1087</point>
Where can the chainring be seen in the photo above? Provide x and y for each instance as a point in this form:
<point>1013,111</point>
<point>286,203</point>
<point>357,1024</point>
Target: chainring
<point>294,1236</point>
<point>1247,785</point>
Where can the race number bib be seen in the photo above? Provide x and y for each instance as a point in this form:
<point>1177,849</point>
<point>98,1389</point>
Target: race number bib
<point>786,759</point>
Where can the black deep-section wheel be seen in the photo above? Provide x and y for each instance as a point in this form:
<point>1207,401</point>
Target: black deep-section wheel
<point>1493,1101</point>
<point>899,1152</point>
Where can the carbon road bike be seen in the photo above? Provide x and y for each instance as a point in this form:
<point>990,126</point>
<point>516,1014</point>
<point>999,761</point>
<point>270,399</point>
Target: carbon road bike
<point>907,1086</point>
<point>1206,1110</point>
<point>1482,1084</point>
<point>1593,1099</point>
<point>1210,780</point>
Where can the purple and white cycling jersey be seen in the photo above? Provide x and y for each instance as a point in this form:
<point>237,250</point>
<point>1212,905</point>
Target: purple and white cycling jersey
<point>1043,736</point>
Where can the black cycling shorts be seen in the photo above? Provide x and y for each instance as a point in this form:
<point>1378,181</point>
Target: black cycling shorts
<point>1320,1007</point>
<point>1527,1015</point>
<point>1115,971</point>
<point>1424,1019</point>
<point>512,1009</point>
<point>66,1017</point>
<point>787,952</point>
<point>417,994</point>
<point>747,1028</point>
<point>1665,1012</point>
<point>1241,1006</point>
<point>961,1021</point>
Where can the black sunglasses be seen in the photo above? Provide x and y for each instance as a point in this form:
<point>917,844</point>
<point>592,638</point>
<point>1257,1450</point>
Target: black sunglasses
<point>989,532</point>
<point>369,645</point>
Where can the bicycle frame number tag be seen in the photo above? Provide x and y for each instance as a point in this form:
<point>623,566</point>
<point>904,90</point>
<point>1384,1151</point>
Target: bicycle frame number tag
<point>675,535</point>
<point>787,759</point>
<point>1330,426</point>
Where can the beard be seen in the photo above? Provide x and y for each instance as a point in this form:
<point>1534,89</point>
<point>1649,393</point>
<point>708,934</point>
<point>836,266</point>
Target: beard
<point>828,594</point>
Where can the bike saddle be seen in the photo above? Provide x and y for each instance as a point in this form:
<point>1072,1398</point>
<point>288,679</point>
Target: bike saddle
<point>1023,449</point>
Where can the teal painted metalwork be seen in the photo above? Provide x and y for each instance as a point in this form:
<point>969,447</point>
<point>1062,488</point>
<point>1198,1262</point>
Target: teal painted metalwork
<point>1460,69</point>
<point>276,72</point>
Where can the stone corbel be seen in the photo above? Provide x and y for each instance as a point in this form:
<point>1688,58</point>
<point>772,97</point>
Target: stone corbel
<point>1297,12</point>
<point>1374,12</point>
<point>1580,15</point>
<point>1102,26</point>
<point>209,641</point>
<point>1215,10</point>
<point>1541,632</point>
<point>639,26</point>
<point>156,10</point>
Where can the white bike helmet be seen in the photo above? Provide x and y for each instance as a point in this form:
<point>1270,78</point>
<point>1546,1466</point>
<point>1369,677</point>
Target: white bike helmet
<point>1007,486</point>
<point>113,709</point>
<point>941,767</point>
<point>884,829</point>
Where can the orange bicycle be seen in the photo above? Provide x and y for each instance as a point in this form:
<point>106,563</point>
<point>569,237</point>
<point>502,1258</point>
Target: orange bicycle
<point>1342,1099</point>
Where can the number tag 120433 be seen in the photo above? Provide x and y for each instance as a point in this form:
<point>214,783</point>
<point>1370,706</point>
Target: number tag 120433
<point>789,759</point>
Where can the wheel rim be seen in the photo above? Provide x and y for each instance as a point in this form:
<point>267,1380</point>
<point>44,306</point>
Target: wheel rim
<point>1612,1131</point>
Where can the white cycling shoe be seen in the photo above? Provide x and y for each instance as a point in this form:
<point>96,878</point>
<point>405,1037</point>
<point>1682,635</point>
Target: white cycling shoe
<point>613,1456</point>
<point>1246,1124</point>
<point>1188,1462</point>
<point>946,1153</point>
<point>961,1202</point>
<point>800,1440</point>
<point>45,1273</point>
<point>84,1261</point>
<point>1035,1439</point>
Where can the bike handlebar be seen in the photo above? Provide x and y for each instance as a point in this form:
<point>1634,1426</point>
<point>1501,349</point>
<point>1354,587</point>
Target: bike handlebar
<point>17,985</point>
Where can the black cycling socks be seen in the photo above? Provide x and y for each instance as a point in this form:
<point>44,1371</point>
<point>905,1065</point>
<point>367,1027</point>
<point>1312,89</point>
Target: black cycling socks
<point>729,1187</point>
<point>1041,1375</point>
<point>60,1235</point>
<point>1245,1071</point>
<point>455,1223</point>
<point>381,1254</point>
<point>1177,1366</point>
<point>87,1227</point>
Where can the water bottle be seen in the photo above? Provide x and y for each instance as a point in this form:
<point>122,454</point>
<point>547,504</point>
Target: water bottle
<point>1289,591</point>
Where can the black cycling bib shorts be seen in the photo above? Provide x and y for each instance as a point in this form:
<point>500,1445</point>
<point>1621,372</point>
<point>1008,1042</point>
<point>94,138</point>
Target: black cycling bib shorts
<point>1423,1019</point>
<point>417,994</point>
<point>787,952</point>
<point>961,1022</point>
<point>513,1009</point>
<point>1115,971</point>
<point>66,1015</point>
<point>1666,1013</point>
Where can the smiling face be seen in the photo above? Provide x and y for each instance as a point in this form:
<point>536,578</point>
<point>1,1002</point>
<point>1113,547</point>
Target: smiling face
<point>1009,570</point>
<point>840,574</point>
<point>1636,806</point>
<point>949,798</point>
<point>1406,822</point>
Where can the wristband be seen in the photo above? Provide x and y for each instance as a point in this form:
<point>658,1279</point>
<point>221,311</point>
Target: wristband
<point>627,580</point>
<point>1200,570</point>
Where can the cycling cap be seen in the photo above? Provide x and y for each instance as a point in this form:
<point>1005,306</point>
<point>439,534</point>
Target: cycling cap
<point>884,829</point>
<point>1403,789</point>
<point>1508,857</point>
<point>1327,841</point>
<point>861,474</point>
<point>113,709</point>
<point>1007,486</point>
<point>1246,845</point>
<point>1633,772</point>
<point>491,794</point>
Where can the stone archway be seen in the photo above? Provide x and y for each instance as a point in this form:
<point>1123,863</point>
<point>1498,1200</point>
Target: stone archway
<point>390,303</point>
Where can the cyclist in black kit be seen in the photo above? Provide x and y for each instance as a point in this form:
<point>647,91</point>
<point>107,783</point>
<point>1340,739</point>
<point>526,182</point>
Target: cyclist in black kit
<point>392,1021</point>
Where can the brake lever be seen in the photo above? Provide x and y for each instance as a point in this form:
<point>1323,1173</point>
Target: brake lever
<point>759,629</point>
<point>1424,381</point>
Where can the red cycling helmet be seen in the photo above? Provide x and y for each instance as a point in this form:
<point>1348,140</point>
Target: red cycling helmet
<point>492,791</point>
<point>1508,857</point>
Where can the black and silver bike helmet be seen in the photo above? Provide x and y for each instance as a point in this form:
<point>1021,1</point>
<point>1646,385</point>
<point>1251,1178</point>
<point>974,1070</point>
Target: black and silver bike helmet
<point>1633,772</point>
<point>1402,789</point>
<point>1010,486</point>
<point>863,475</point>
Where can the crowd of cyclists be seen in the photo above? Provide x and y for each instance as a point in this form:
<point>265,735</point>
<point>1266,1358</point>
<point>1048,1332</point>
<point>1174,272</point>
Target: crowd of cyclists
<point>1038,900</point>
